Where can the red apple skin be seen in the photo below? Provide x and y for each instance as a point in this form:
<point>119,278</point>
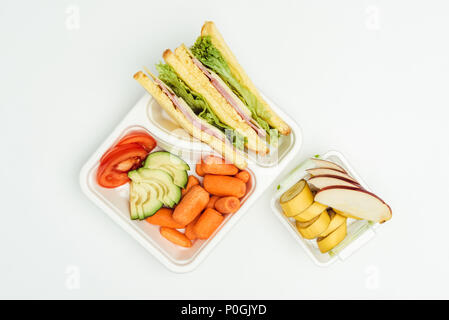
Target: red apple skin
<point>360,190</point>
<point>327,162</point>
<point>333,171</point>
<point>355,183</point>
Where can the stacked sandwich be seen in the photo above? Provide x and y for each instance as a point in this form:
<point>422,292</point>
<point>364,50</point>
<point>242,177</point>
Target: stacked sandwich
<point>208,93</point>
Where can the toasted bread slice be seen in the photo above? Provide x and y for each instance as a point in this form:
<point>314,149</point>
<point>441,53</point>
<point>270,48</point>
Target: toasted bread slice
<point>182,63</point>
<point>222,147</point>
<point>209,29</point>
<point>184,54</point>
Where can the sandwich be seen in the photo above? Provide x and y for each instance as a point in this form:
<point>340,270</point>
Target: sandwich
<point>212,51</point>
<point>192,113</point>
<point>219,96</point>
<point>209,94</point>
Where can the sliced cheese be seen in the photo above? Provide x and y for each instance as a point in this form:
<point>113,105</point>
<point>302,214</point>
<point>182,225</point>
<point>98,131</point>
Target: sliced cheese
<point>331,241</point>
<point>311,230</point>
<point>336,221</point>
<point>296,199</point>
<point>311,212</point>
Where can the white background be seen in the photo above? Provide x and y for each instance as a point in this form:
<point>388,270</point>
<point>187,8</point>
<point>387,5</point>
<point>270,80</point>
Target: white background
<point>368,78</point>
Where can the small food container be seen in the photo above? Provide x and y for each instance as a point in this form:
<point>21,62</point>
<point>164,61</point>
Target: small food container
<point>149,116</point>
<point>359,232</point>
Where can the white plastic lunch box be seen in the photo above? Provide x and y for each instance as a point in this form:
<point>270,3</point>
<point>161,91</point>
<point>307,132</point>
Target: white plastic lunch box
<point>148,115</point>
<point>359,231</point>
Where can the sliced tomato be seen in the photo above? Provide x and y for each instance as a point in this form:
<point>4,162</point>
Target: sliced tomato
<point>139,137</point>
<point>113,170</point>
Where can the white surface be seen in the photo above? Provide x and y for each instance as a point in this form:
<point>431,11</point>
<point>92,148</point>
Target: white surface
<point>376,92</point>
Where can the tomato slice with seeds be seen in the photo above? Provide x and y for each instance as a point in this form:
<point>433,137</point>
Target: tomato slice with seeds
<point>139,137</point>
<point>113,170</point>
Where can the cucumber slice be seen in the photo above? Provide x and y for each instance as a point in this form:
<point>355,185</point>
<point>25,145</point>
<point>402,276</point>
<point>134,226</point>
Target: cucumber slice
<point>151,207</point>
<point>142,196</point>
<point>179,176</point>
<point>156,159</point>
<point>153,203</point>
<point>173,165</point>
<point>133,198</point>
<point>162,192</point>
<point>143,200</point>
<point>134,175</point>
<point>152,188</point>
<point>157,176</point>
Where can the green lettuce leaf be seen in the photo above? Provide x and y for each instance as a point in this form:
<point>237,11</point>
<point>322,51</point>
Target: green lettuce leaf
<point>196,101</point>
<point>208,54</point>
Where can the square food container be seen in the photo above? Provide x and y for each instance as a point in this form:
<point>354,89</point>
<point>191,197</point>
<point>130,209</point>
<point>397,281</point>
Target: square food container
<point>359,232</point>
<point>149,116</point>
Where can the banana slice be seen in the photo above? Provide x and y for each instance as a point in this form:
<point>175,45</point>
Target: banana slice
<point>311,212</point>
<point>347,215</point>
<point>336,221</point>
<point>332,240</point>
<point>296,199</point>
<point>312,229</point>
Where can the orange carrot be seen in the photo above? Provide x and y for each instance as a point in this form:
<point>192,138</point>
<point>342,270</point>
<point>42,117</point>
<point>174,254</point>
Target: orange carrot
<point>199,169</point>
<point>216,165</point>
<point>191,205</point>
<point>189,232</point>
<point>176,237</point>
<point>191,181</point>
<point>164,217</point>
<point>212,201</point>
<point>243,175</point>
<point>224,186</point>
<point>207,223</point>
<point>227,205</point>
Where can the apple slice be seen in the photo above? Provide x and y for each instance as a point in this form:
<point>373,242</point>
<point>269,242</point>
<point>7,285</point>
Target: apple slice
<point>320,163</point>
<point>327,180</point>
<point>332,172</point>
<point>355,201</point>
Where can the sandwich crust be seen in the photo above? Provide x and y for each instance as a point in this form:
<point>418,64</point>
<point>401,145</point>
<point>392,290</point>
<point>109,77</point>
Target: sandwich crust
<point>182,63</point>
<point>225,149</point>
<point>209,29</point>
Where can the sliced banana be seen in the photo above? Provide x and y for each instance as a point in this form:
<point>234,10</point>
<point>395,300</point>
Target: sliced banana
<point>332,240</point>
<point>336,221</point>
<point>311,212</point>
<point>312,229</point>
<point>347,215</point>
<point>296,199</point>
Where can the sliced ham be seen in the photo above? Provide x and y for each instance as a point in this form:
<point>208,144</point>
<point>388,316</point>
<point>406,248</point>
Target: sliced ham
<point>189,115</point>
<point>229,98</point>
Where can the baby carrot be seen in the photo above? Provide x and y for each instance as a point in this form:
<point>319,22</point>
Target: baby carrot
<point>207,223</point>
<point>243,175</point>
<point>164,217</point>
<point>199,169</point>
<point>216,165</point>
<point>191,181</point>
<point>224,186</point>
<point>227,205</point>
<point>191,205</point>
<point>189,232</point>
<point>176,237</point>
<point>212,200</point>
